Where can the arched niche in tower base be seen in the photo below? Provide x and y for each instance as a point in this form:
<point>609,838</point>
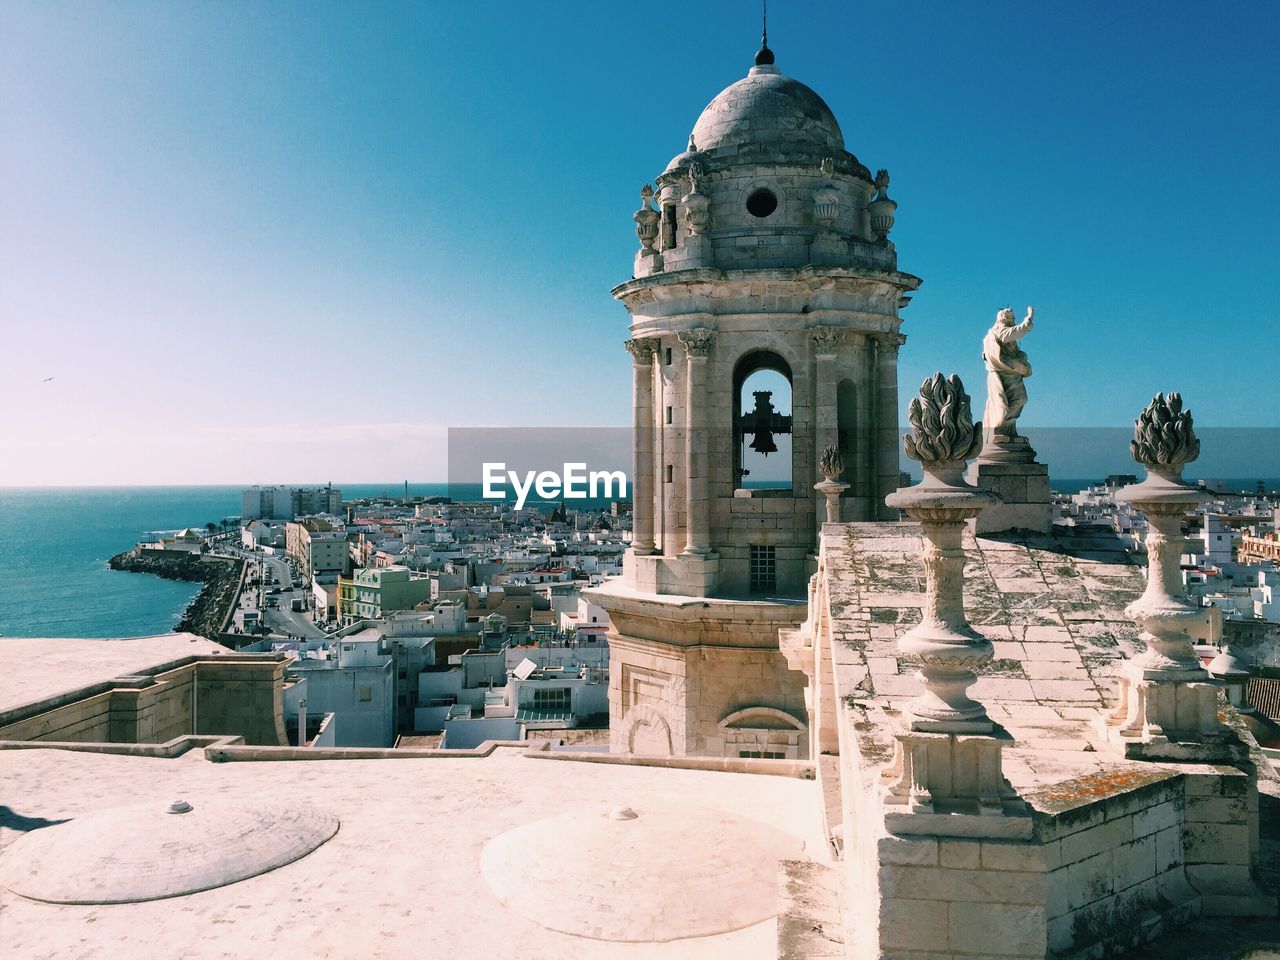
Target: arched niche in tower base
<point>647,732</point>
<point>764,733</point>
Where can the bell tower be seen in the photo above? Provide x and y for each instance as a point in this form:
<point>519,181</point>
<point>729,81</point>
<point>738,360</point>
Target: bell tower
<point>764,329</point>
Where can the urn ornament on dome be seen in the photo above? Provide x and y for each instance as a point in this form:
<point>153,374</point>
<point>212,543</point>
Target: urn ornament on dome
<point>826,199</point>
<point>696,204</point>
<point>882,208</point>
<point>646,219</point>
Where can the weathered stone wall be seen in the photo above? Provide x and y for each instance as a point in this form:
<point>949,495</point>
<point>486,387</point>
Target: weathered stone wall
<point>1097,877</point>
<point>237,697</point>
<point>1117,872</point>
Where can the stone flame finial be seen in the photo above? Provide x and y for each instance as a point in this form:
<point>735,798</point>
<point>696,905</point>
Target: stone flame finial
<point>942,427</point>
<point>832,464</point>
<point>1163,435</point>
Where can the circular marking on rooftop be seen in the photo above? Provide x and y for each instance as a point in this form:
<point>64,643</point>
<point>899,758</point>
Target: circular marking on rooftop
<point>664,873</point>
<point>155,850</point>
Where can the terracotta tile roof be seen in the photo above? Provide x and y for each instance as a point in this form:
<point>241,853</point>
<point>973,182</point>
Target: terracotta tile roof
<point>1264,694</point>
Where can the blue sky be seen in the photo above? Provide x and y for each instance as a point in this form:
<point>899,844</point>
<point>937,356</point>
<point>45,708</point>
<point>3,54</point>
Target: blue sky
<point>351,226</point>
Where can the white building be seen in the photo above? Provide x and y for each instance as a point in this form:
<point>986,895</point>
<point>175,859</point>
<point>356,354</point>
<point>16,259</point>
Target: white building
<point>1266,596</point>
<point>1216,535</point>
<point>269,503</point>
<point>536,687</point>
<point>352,679</point>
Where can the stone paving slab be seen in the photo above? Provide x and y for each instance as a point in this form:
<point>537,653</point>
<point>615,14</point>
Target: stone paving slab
<point>1051,604</point>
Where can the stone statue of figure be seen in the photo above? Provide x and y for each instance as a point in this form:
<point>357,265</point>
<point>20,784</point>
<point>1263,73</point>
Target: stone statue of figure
<point>1007,367</point>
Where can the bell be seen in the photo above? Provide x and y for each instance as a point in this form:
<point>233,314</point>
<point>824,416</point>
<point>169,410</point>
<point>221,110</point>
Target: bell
<point>763,443</point>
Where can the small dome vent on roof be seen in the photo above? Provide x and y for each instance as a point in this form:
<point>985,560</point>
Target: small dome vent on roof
<point>150,851</point>
<point>648,874</point>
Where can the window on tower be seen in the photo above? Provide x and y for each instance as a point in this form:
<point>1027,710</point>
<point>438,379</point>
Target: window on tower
<point>764,569</point>
<point>761,203</point>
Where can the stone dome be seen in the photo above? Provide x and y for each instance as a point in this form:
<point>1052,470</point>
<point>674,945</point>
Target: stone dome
<point>765,106</point>
<point>767,117</point>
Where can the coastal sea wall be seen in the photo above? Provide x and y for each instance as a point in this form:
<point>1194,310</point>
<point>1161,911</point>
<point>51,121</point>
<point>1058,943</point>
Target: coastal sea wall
<point>222,577</point>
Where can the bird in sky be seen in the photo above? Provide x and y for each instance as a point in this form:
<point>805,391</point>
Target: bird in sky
<point>46,379</point>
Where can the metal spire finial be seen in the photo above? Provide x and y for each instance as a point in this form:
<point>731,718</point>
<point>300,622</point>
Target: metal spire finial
<point>765,56</point>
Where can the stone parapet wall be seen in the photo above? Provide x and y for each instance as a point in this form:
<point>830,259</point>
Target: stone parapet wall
<point>238,696</point>
<point>1116,866</point>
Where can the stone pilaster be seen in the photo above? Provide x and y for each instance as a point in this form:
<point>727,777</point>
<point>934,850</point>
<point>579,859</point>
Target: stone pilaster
<point>642,471</point>
<point>826,418</point>
<point>697,343</point>
<point>885,476</point>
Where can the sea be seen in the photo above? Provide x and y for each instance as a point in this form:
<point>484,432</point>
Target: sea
<point>55,543</point>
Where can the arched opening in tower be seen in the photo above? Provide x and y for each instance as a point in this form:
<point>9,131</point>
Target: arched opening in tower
<point>762,422</point>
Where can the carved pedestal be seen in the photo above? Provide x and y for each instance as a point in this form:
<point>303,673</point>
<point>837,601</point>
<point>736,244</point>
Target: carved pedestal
<point>1023,489</point>
<point>831,490</point>
<point>647,263</point>
<point>948,758</point>
<point>828,249</point>
<point>947,774</point>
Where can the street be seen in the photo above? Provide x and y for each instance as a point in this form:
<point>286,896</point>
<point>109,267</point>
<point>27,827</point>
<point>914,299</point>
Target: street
<point>279,618</point>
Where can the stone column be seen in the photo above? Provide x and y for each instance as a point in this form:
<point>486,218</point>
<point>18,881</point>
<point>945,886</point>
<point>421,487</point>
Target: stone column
<point>948,757</point>
<point>697,344</point>
<point>642,470</point>
<point>826,430</point>
<point>885,478</point>
<point>668,454</point>
<point>1168,708</point>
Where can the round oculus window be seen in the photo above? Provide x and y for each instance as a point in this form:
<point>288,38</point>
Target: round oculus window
<point>761,203</point>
